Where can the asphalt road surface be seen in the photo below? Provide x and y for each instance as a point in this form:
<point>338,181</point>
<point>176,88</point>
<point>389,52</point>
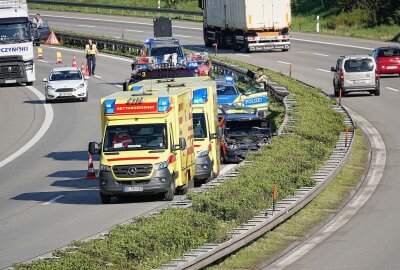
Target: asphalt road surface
<point>55,166</point>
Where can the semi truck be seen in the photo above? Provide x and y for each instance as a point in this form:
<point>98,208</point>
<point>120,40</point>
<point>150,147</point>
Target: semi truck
<point>207,134</point>
<point>16,44</point>
<point>253,25</point>
<point>147,144</point>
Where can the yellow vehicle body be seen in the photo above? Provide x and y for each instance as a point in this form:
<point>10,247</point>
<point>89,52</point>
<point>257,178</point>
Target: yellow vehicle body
<point>142,150</point>
<point>205,119</point>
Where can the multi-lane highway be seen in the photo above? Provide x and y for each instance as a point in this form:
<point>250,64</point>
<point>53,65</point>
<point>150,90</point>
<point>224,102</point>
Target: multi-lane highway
<point>45,202</point>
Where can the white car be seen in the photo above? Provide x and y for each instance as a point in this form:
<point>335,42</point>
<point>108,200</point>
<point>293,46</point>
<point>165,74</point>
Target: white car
<point>66,83</point>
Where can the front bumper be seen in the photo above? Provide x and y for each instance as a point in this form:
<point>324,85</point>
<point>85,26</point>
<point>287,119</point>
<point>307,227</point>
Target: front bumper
<point>18,73</point>
<point>203,169</point>
<point>155,185</point>
<point>78,94</point>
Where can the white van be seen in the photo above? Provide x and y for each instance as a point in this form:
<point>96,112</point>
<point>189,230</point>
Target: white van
<point>356,73</point>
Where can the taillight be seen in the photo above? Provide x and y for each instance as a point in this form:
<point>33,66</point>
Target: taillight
<point>341,74</point>
<point>376,74</point>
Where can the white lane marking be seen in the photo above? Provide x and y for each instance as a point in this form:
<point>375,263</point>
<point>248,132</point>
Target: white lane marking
<point>43,61</point>
<point>98,77</point>
<point>286,63</point>
<point>392,89</point>
<point>135,31</point>
<point>182,36</point>
<point>227,168</point>
<point>53,200</point>
<point>372,180</point>
<point>81,51</point>
<point>49,114</point>
<point>320,54</point>
<point>240,54</point>
<point>115,21</point>
<point>84,25</point>
<point>324,70</point>
<point>334,44</point>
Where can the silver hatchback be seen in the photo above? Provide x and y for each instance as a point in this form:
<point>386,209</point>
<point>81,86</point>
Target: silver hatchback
<point>356,73</point>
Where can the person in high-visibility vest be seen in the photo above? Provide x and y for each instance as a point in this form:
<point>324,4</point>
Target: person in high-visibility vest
<point>260,80</point>
<point>91,55</point>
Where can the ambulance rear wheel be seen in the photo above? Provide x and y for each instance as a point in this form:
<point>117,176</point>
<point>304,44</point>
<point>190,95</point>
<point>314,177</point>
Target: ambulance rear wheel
<point>105,199</point>
<point>169,195</point>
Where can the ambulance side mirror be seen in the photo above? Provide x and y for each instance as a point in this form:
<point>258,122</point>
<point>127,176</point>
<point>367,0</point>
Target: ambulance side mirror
<point>182,144</point>
<point>92,149</point>
<point>125,86</point>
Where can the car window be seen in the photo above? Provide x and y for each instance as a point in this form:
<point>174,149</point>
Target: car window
<point>389,52</point>
<point>358,65</point>
<point>226,90</point>
<point>67,75</point>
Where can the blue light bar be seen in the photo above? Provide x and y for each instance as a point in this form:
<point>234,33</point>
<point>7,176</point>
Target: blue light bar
<point>147,41</point>
<point>200,96</point>
<point>163,104</point>
<point>109,105</point>
<point>192,64</point>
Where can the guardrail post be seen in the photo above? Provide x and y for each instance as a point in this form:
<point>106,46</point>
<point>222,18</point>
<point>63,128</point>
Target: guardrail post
<point>347,136</point>
<point>274,203</point>
<point>98,10</point>
<point>318,24</point>
<point>340,97</point>
<point>290,70</point>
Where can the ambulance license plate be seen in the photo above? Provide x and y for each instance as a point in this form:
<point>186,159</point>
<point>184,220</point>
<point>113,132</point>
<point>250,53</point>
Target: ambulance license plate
<point>132,189</point>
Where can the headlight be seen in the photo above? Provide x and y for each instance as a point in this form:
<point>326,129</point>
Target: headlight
<point>29,65</point>
<point>232,146</point>
<point>50,88</point>
<point>105,168</point>
<point>81,86</point>
<point>162,165</point>
<point>202,153</point>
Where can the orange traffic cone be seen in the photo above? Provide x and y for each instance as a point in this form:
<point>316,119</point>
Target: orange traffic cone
<point>90,173</point>
<point>59,58</point>
<point>83,69</point>
<point>74,64</point>
<point>87,71</point>
<point>39,53</point>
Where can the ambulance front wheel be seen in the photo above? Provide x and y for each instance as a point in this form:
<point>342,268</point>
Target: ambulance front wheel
<point>169,195</point>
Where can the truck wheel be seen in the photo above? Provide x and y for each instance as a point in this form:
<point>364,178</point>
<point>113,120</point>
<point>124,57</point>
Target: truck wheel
<point>207,42</point>
<point>105,199</point>
<point>169,195</point>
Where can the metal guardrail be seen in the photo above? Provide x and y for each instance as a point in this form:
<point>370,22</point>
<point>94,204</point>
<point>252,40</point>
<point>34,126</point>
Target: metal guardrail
<point>116,7</point>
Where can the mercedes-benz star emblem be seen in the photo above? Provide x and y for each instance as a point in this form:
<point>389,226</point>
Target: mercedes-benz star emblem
<point>132,171</point>
<point>9,69</point>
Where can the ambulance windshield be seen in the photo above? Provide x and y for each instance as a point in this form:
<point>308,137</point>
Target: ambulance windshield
<point>135,137</point>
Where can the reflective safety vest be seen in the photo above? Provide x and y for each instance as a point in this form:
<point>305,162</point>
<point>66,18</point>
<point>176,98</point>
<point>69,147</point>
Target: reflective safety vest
<point>91,51</point>
<point>262,82</point>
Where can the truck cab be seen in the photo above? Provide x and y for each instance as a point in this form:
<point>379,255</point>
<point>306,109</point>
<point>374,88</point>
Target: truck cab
<point>205,120</point>
<point>147,144</point>
<point>16,44</point>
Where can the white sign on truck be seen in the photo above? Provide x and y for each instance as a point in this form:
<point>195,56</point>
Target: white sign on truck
<point>16,44</point>
<point>255,25</point>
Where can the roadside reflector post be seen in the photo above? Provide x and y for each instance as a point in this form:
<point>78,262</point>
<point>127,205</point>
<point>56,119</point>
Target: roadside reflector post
<point>290,70</point>
<point>274,203</point>
<point>340,97</point>
<point>318,24</point>
<point>40,53</point>
<point>215,46</point>
<point>347,136</point>
<point>122,32</point>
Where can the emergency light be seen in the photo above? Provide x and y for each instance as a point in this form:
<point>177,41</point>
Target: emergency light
<point>109,106</point>
<point>228,78</point>
<point>200,96</point>
<point>163,104</point>
<point>192,64</point>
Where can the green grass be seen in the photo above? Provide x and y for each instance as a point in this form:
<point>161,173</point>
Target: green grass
<point>327,26</point>
<point>329,202</point>
<point>288,162</point>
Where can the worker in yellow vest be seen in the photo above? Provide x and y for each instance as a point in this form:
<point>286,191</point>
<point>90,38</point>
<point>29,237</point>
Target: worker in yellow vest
<point>91,55</point>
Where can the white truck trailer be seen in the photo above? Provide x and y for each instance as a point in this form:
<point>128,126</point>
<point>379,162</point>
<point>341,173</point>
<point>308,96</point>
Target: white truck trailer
<point>253,25</point>
<point>16,44</point>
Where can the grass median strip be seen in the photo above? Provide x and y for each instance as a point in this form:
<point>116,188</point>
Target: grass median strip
<point>257,254</point>
<point>288,162</point>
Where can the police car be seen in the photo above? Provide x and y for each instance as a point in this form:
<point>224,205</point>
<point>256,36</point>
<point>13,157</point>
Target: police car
<point>227,91</point>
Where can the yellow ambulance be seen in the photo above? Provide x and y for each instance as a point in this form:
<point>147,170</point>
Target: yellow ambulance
<point>147,143</point>
<point>205,119</point>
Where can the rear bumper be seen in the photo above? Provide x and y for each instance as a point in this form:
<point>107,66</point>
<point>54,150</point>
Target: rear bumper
<point>389,71</point>
<point>265,46</point>
<point>360,88</point>
<point>159,183</point>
